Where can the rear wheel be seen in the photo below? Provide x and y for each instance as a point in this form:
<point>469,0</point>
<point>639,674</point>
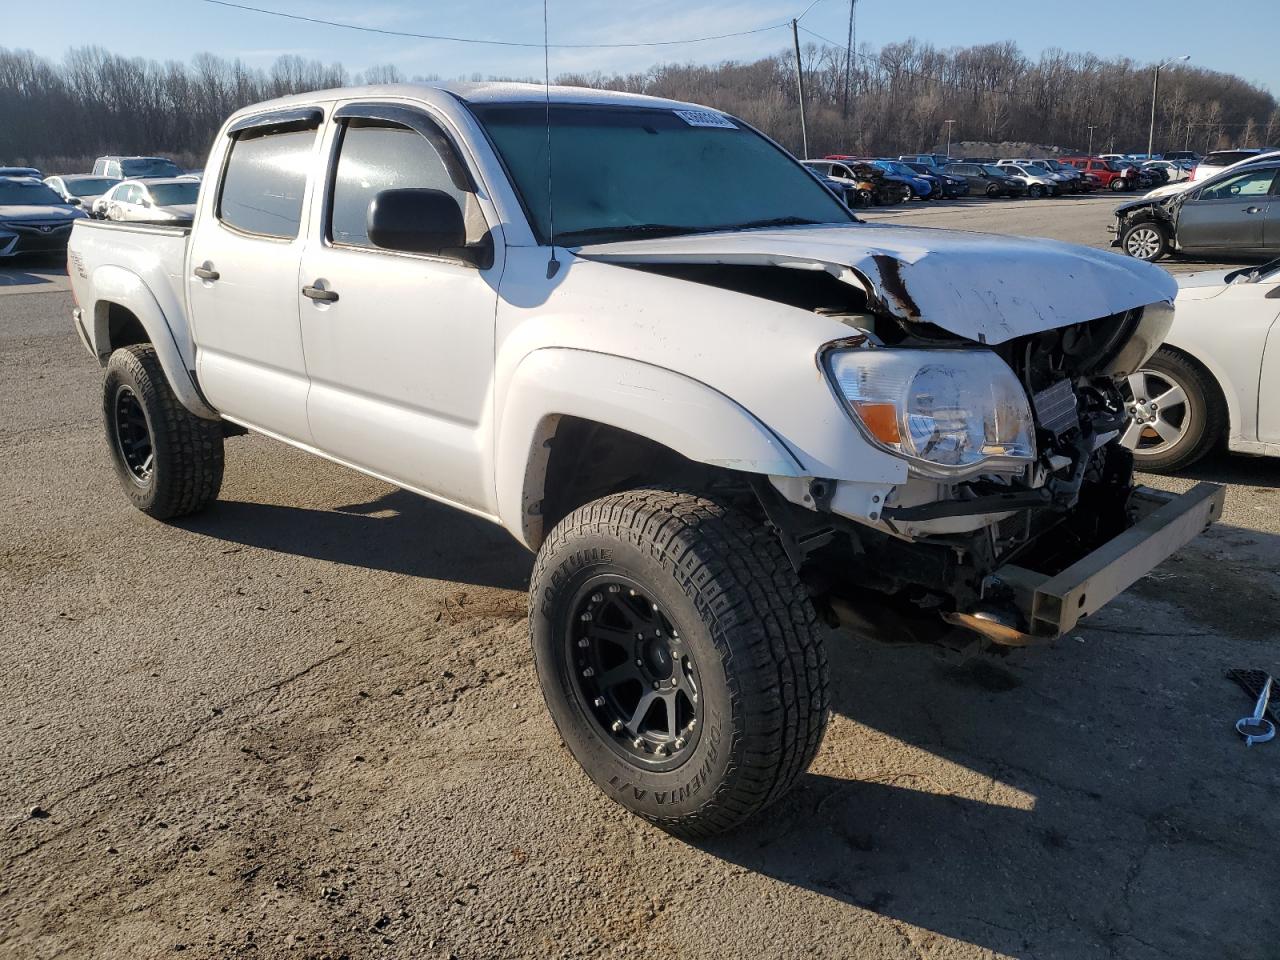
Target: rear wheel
<point>680,657</point>
<point>993,191</point>
<point>1117,184</point>
<point>1178,412</point>
<point>168,460</point>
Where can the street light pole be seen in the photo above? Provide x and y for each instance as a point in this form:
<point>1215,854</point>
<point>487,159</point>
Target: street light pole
<point>804,133</point>
<point>1092,127</point>
<point>1155,92</point>
<point>950,124</point>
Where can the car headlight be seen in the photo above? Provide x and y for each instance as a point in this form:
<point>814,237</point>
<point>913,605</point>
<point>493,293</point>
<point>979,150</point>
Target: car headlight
<point>949,413</point>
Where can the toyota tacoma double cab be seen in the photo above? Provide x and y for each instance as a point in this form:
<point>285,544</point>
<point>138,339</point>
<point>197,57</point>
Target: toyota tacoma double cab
<point>726,415</point>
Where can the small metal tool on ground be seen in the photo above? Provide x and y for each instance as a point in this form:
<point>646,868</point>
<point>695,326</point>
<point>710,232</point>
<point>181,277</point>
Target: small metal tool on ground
<point>1256,728</point>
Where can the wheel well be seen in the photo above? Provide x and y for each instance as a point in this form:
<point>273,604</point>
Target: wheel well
<point>123,328</point>
<point>588,460</point>
<point>1211,381</point>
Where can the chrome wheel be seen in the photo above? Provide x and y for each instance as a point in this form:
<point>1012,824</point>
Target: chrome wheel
<point>1144,243</point>
<point>1160,413</point>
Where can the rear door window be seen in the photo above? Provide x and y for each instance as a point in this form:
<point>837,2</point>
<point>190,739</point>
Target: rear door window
<point>264,181</point>
<point>1253,183</point>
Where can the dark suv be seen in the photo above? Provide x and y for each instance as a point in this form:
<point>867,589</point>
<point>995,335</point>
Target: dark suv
<point>985,179</point>
<point>126,168</point>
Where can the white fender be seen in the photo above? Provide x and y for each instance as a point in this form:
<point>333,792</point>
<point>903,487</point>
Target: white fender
<point>112,284</point>
<point>668,408</point>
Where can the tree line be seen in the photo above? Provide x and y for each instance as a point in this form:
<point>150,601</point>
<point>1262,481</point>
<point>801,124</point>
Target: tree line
<point>59,116</point>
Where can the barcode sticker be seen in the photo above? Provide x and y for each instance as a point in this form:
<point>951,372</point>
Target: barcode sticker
<point>705,118</point>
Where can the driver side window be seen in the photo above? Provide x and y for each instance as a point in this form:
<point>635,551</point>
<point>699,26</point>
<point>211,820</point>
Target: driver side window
<point>1253,183</point>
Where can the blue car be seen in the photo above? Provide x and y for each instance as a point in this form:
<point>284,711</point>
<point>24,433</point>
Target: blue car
<point>920,186</point>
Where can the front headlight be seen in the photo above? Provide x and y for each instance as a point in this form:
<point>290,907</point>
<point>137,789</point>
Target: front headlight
<point>950,413</point>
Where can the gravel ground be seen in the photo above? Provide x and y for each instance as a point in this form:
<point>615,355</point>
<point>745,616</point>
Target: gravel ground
<point>305,725</point>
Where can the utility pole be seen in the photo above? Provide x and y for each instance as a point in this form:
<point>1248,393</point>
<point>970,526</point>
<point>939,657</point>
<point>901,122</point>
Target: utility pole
<point>1092,127</point>
<point>804,132</point>
<point>950,124</point>
<point>1155,91</point>
<point>850,45</point>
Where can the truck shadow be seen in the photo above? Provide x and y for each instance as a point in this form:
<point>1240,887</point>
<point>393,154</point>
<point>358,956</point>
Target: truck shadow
<point>1236,468</point>
<point>399,532</point>
<point>1069,802</point>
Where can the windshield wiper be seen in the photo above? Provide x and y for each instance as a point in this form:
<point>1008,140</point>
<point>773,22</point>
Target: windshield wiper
<point>630,230</point>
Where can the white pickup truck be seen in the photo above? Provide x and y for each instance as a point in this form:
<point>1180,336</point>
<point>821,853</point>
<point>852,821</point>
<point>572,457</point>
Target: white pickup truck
<point>639,335</point>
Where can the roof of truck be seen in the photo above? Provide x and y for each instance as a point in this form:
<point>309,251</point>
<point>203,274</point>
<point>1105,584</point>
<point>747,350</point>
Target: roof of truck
<point>480,93</point>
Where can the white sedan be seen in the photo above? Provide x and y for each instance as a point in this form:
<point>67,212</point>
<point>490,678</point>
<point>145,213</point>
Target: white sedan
<point>1216,380</point>
<point>152,201</point>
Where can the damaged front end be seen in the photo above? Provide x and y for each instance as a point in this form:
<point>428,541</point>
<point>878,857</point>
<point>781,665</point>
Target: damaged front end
<point>1038,531</point>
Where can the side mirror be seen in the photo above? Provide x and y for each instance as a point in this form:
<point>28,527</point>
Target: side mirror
<point>416,221</point>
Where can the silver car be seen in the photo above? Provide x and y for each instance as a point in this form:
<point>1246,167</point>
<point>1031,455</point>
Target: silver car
<point>81,190</point>
<point>165,200</point>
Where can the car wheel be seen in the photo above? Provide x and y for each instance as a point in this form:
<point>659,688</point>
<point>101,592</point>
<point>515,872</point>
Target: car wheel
<point>1036,191</point>
<point>680,657</point>
<point>993,191</point>
<point>1117,184</point>
<point>1177,409</point>
<point>168,460</point>
<point>1146,240</point>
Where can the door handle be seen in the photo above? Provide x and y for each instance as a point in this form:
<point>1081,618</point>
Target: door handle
<point>206,272</point>
<point>320,294</point>
<point>1252,209</point>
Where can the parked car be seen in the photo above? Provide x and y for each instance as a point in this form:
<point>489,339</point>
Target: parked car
<point>946,186</point>
<point>922,187</point>
<point>934,160</point>
<point>80,190</point>
<point>985,179</point>
<point>1110,174</point>
<point>872,180</point>
<point>1172,172</point>
<point>1038,181</point>
<point>1177,156</point>
<point>629,388</point>
<point>1219,160</point>
<point>126,168</point>
<point>1236,213</point>
<point>20,172</point>
<point>1216,380</point>
<point>153,201</point>
<point>33,219</point>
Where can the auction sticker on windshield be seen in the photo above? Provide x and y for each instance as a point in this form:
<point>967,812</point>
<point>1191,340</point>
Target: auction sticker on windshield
<point>705,118</point>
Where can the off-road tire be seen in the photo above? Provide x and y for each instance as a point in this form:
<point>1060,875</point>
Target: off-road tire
<point>186,468</point>
<point>746,624</point>
<point>1206,407</point>
<point>1145,240</point>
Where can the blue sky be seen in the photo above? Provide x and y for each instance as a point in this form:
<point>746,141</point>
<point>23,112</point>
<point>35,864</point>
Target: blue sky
<point>1144,31</point>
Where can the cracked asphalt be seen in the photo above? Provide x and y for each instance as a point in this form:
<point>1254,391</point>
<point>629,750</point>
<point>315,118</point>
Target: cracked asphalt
<point>305,725</point>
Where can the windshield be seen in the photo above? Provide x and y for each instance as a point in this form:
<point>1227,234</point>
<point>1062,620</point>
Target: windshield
<point>622,172</point>
<point>18,193</point>
<point>901,169</point>
<point>90,186</point>
<point>149,167</point>
<point>168,194</point>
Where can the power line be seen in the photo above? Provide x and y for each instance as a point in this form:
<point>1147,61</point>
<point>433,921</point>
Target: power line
<point>500,43</point>
<point>807,9</point>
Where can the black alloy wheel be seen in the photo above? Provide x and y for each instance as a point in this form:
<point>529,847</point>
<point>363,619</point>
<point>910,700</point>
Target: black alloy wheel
<point>132,435</point>
<point>634,675</point>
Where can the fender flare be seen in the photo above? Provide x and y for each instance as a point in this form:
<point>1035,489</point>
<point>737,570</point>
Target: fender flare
<point>669,408</point>
<point>116,285</point>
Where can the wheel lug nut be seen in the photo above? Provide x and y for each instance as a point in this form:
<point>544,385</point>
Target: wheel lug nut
<point>584,643</point>
<point>639,636</point>
<point>631,593</point>
<point>679,743</point>
<point>673,681</point>
<point>586,616</point>
<point>597,597</point>
<point>588,673</point>
<point>655,607</point>
<point>598,702</point>
<point>663,749</point>
<point>616,726</point>
<point>638,743</point>
<point>657,685</point>
<point>693,723</point>
<point>614,588</point>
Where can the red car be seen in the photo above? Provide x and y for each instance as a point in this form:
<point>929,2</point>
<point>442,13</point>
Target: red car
<point>1110,175</point>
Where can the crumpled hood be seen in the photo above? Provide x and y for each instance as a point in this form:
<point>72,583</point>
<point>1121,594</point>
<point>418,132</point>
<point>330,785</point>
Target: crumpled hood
<point>984,287</point>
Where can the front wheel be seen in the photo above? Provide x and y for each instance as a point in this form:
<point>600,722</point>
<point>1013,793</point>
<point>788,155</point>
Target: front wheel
<point>1036,191</point>
<point>1147,241</point>
<point>680,657</point>
<point>1178,412</point>
<point>1117,184</point>
<point>168,460</point>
